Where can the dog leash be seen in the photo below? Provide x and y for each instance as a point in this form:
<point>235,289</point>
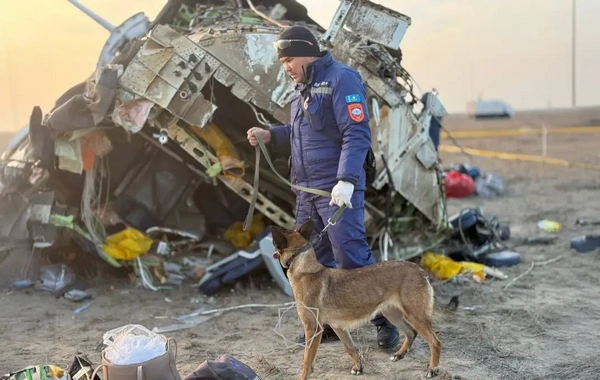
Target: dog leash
<point>261,147</point>
<point>318,237</point>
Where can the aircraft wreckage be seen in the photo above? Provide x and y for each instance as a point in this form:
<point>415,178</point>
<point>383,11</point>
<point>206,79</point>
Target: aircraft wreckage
<point>146,163</point>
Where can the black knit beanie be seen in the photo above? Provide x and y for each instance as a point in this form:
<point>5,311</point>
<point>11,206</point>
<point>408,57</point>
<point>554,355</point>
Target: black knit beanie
<point>310,48</point>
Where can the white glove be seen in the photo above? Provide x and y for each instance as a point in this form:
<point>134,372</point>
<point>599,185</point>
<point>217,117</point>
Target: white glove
<point>341,194</point>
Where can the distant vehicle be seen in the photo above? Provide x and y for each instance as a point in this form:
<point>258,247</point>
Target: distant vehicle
<point>489,109</point>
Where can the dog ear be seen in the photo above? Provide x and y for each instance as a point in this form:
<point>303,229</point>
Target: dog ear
<point>279,239</point>
<point>306,229</point>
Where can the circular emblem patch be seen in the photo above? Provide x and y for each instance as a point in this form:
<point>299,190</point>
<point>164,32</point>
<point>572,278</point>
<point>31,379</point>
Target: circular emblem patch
<point>356,112</point>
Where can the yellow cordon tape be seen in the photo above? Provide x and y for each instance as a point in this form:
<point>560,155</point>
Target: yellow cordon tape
<point>518,157</point>
<point>517,132</point>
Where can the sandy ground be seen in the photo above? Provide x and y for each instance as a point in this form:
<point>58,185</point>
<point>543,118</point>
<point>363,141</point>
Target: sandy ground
<point>544,326</point>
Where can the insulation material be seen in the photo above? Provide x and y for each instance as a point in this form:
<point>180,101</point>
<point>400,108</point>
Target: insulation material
<point>69,155</point>
<point>132,115</point>
<point>79,153</point>
<point>94,145</point>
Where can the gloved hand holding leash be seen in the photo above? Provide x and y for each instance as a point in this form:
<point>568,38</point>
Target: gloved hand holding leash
<point>341,194</point>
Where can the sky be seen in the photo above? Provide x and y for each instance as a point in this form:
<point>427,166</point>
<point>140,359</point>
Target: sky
<point>514,50</point>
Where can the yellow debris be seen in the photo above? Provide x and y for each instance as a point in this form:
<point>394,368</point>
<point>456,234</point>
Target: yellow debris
<point>243,239</point>
<point>127,244</point>
<point>445,268</point>
<point>549,225</point>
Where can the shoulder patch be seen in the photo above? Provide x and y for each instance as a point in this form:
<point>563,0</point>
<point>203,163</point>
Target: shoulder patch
<point>356,112</point>
<point>354,98</point>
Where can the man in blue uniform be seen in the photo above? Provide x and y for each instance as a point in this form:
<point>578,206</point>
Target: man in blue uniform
<point>329,136</point>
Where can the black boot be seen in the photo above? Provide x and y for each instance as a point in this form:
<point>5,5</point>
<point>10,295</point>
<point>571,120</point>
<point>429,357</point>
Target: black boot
<point>387,335</point>
<point>328,336</point>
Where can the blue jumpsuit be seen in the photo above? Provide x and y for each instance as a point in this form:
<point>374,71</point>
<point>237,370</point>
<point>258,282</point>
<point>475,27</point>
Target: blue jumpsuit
<point>329,141</point>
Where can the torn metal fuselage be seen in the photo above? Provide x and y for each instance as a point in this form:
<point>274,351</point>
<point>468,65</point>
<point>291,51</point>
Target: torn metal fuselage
<point>226,74</point>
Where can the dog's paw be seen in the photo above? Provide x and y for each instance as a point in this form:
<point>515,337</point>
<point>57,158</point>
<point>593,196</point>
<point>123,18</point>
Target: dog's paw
<point>395,358</point>
<point>356,371</point>
<point>432,372</point>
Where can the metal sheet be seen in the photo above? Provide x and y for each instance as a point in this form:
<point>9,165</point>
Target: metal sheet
<point>193,107</point>
<point>402,141</point>
<point>247,63</point>
<point>160,92</point>
<point>377,23</point>
<point>253,58</point>
<point>200,112</point>
<point>137,78</point>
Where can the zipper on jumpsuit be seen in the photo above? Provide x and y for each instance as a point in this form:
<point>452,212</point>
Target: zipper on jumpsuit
<point>299,124</point>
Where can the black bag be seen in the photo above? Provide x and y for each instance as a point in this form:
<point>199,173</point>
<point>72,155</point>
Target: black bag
<point>370,167</point>
<point>223,368</point>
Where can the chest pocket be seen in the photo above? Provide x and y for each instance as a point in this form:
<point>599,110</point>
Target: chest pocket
<point>318,109</point>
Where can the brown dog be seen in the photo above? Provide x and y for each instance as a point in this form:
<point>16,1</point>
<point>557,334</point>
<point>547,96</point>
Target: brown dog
<point>349,298</point>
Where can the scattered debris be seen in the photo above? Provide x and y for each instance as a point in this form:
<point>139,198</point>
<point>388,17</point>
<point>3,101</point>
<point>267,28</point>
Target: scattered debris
<point>458,185</point>
<point>489,185</point>
<point>224,367</point>
<point>444,268</point>
<point>21,284</point>
<point>41,372</point>
<point>586,243</point>
<point>587,222</point>
<point>549,225</point>
<point>54,278</point>
<point>540,239</point>
<point>76,295</point>
<point>82,307</point>
<point>462,180</point>
<point>82,368</point>
<point>503,259</point>
<point>474,236</point>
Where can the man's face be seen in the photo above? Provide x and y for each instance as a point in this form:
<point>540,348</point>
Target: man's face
<point>293,67</point>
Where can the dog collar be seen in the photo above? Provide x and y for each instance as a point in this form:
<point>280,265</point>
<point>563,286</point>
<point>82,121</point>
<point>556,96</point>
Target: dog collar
<point>303,249</point>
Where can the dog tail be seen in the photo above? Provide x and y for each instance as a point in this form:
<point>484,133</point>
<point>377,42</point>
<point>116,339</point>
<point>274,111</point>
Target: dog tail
<point>453,304</point>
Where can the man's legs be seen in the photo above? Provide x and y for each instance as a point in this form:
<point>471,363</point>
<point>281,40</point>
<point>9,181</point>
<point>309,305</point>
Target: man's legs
<point>305,210</point>
<point>348,239</point>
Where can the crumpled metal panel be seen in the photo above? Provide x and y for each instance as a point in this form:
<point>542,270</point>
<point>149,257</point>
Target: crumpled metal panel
<point>137,78</point>
<point>247,64</point>
<point>170,71</point>
<point>391,95</point>
<point>377,23</point>
<point>253,59</point>
<point>412,166</point>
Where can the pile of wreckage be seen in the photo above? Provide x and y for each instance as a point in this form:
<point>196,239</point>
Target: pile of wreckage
<point>146,163</point>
